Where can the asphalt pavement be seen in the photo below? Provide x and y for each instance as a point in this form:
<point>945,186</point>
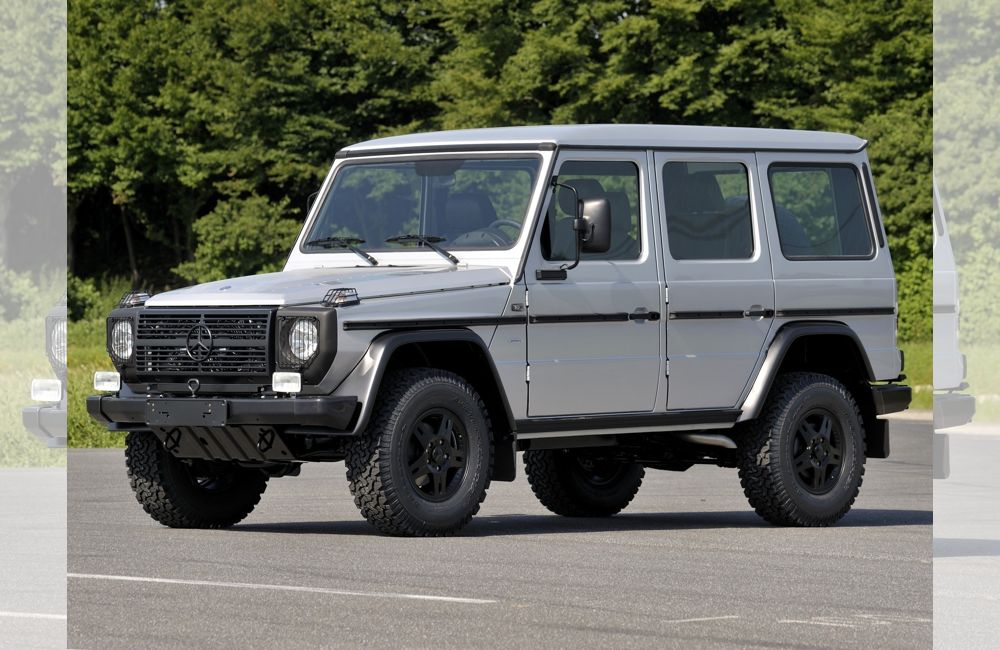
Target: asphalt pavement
<point>688,564</point>
<point>33,558</point>
<point>967,542</point>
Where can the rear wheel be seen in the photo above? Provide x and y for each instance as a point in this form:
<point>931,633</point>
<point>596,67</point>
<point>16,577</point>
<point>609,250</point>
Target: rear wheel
<point>425,462</point>
<point>802,461</point>
<point>577,484</point>
<point>189,494</point>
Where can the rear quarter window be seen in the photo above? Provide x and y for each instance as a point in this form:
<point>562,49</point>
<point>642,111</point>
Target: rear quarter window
<point>819,212</point>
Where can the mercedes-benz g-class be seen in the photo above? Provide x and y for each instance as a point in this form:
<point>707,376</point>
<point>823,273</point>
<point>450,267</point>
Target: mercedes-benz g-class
<point>607,299</point>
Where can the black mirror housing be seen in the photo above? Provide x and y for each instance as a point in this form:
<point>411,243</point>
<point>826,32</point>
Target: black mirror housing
<point>596,227</point>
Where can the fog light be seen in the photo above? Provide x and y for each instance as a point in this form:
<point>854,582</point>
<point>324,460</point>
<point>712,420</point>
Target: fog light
<point>110,382</point>
<point>286,382</point>
<point>46,390</point>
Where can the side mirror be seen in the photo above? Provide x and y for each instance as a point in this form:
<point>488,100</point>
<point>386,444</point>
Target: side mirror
<point>594,225</point>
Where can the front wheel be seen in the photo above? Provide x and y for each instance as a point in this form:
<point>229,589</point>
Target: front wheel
<point>802,461</point>
<point>189,494</point>
<point>579,484</point>
<point>425,461</point>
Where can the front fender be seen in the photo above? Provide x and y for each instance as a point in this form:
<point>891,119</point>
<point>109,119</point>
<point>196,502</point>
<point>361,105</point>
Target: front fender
<point>366,378</point>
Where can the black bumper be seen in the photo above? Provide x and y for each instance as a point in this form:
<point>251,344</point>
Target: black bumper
<point>953,409</point>
<point>47,423</point>
<point>891,398</point>
<point>331,415</point>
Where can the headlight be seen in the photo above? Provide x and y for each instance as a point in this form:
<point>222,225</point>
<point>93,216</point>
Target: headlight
<point>303,339</point>
<point>57,344</point>
<point>122,340</point>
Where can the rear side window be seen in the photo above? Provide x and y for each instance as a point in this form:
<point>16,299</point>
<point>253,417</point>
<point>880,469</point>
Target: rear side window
<point>819,212</point>
<point>707,210</point>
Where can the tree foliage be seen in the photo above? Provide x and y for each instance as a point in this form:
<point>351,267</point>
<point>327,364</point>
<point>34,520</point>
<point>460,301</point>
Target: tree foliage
<point>199,127</point>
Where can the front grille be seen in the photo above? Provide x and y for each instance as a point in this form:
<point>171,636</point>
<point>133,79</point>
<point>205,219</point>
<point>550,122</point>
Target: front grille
<point>238,344</point>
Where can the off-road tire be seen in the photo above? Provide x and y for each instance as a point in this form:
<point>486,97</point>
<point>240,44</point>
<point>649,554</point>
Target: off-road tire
<point>560,483</point>
<point>766,464</point>
<point>167,491</point>
<point>377,466</point>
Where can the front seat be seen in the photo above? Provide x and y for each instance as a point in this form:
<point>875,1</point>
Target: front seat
<point>465,212</point>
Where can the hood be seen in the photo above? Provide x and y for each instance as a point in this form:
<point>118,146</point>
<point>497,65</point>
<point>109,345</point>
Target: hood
<point>309,286</point>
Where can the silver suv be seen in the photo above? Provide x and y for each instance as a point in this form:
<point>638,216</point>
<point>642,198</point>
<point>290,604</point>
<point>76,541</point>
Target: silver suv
<point>605,299</point>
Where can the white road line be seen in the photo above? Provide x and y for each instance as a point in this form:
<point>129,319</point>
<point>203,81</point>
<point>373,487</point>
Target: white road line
<point>819,622</point>
<point>699,620</point>
<point>263,587</point>
<point>35,615</point>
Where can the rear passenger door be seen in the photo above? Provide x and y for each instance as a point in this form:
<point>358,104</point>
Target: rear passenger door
<point>718,275</point>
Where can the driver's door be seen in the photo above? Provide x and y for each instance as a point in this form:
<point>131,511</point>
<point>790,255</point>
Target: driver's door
<point>595,333</point>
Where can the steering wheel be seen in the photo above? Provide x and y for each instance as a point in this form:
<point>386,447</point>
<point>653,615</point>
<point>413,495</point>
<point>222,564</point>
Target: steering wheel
<point>504,222</point>
<point>497,236</point>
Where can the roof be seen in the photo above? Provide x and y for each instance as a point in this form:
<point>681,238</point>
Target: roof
<point>634,136</point>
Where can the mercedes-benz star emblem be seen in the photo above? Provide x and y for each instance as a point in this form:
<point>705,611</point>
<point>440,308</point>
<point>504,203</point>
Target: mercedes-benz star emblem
<point>199,343</point>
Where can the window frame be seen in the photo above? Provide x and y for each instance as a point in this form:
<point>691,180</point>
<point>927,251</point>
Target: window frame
<point>862,199</point>
<point>751,209</point>
<point>312,219</point>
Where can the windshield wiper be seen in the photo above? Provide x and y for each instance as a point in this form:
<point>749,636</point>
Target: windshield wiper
<point>350,243</point>
<point>427,240</point>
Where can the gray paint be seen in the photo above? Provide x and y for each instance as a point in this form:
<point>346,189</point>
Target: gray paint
<point>635,136</point>
<point>595,367</point>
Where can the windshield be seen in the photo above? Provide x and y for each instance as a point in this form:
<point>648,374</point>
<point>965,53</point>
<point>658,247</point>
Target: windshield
<point>471,203</point>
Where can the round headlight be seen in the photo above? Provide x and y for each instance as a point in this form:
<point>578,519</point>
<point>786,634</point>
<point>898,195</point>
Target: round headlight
<point>122,340</point>
<point>57,344</point>
<point>303,339</point>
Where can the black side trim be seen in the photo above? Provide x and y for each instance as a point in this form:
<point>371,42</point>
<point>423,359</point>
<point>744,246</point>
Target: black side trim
<point>621,317</point>
<point>578,318</point>
<point>433,323</point>
<point>445,290</point>
<point>859,311</point>
<point>704,315</point>
<point>626,420</point>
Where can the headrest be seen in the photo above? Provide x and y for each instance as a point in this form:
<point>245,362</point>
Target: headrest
<point>706,188</point>
<point>691,193</point>
<point>587,188</point>
<point>467,211</point>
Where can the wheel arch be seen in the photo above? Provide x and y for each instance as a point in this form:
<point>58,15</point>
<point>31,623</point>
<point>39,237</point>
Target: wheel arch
<point>828,347</point>
<point>457,350</point>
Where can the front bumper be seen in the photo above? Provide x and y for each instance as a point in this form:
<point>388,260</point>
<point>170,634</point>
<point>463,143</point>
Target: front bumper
<point>47,422</point>
<point>331,415</point>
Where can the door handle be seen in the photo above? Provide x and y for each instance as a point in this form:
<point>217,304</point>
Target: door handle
<point>644,315</point>
<point>757,312</point>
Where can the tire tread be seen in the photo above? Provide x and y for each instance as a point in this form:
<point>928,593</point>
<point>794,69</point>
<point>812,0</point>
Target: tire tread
<point>763,486</point>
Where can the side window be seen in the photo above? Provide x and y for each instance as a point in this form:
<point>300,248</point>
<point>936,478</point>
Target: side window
<point>708,210</point>
<point>618,182</point>
<point>819,211</point>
